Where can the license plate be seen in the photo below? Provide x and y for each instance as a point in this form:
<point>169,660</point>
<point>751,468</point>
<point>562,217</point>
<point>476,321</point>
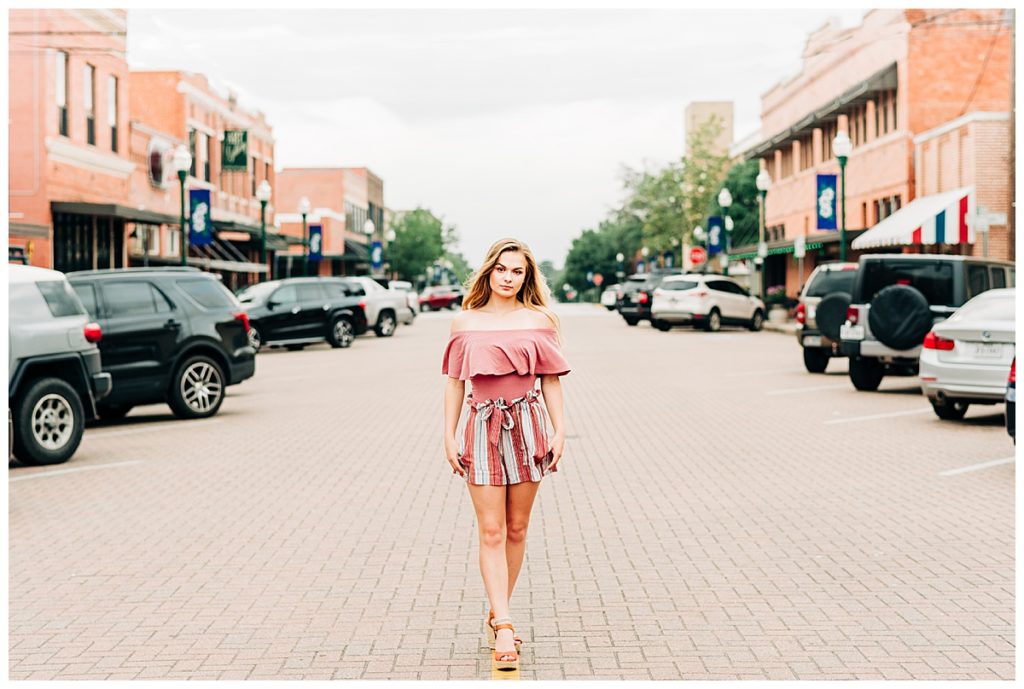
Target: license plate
<point>812,341</point>
<point>988,350</point>
<point>851,332</point>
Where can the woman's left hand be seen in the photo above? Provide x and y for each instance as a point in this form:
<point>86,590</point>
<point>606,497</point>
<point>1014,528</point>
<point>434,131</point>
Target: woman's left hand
<point>557,447</point>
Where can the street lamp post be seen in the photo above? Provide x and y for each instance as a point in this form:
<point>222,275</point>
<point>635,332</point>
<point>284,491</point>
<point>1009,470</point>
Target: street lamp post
<point>304,210</point>
<point>263,195</point>
<point>764,183</point>
<point>182,162</point>
<point>842,146</point>
<point>725,200</point>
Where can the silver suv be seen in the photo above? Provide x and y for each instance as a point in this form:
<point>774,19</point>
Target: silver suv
<point>385,308</point>
<point>821,312</point>
<point>896,300</point>
<point>54,373</point>
<point>704,300</point>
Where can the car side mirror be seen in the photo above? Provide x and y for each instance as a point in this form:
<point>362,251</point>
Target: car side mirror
<point>271,304</point>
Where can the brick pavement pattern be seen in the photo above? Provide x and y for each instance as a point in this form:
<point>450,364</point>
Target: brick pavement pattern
<point>707,522</point>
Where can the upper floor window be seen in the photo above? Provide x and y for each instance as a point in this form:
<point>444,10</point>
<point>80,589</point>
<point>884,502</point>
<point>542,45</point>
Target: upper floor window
<point>828,132</point>
<point>112,111</point>
<point>885,112</point>
<point>209,157</point>
<point>255,170</point>
<point>192,150</point>
<point>204,149</point>
<point>806,152</point>
<point>89,101</point>
<point>62,92</point>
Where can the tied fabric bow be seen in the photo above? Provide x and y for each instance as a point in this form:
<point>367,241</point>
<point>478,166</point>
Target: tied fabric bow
<point>503,419</point>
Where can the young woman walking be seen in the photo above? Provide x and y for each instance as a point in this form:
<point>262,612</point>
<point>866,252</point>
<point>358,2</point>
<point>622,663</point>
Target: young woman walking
<point>503,340</point>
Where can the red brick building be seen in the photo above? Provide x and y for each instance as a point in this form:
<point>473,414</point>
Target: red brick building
<point>924,96</point>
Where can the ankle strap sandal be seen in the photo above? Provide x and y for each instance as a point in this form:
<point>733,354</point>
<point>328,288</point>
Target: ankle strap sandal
<point>505,660</point>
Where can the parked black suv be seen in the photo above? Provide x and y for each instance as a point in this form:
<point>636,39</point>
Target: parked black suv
<point>897,298</point>
<point>638,292</point>
<point>295,312</point>
<point>173,335</point>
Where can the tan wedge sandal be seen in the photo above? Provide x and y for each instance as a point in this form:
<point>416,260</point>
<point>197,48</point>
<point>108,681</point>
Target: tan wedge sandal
<point>505,660</point>
<point>490,632</point>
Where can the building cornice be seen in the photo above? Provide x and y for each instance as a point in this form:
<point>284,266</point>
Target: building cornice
<point>62,150</point>
<point>239,118</point>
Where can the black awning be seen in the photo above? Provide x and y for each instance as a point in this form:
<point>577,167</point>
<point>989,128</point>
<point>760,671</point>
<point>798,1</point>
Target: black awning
<point>358,251</point>
<point>883,80</point>
<point>114,210</point>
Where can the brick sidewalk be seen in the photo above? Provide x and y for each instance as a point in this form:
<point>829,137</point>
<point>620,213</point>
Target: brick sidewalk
<point>708,522</point>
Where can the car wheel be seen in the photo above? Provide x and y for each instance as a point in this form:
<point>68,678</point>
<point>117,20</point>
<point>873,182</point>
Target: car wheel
<point>950,410</point>
<point>197,389</point>
<point>48,424</point>
<point>663,326</point>
<point>342,333</point>
<point>816,359</point>
<point>385,325</point>
<point>757,322</point>
<point>632,321</point>
<point>866,374</point>
<point>113,412</point>
<point>255,337</point>
<point>714,321</point>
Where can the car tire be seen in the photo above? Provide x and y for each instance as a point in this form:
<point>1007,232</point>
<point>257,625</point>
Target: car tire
<point>385,324</point>
<point>341,333</point>
<point>949,409</point>
<point>714,321</point>
<point>900,317</point>
<point>114,412</point>
<point>816,359</point>
<point>255,337</point>
<point>197,388</point>
<point>48,423</point>
<point>631,321</point>
<point>830,314</point>
<point>757,322</point>
<point>663,326</point>
<point>866,374</point>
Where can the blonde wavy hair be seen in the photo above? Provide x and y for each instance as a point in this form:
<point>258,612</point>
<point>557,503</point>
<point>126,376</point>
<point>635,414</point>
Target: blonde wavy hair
<point>534,294</point>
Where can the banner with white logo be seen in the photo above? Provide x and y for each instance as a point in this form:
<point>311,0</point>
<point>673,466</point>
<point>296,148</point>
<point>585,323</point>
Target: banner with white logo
<point>826,202</point>
<point>200,224</point>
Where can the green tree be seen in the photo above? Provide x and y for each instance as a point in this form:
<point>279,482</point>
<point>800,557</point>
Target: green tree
<point>419,241</point>
<point>740,180</point>
<point>703,173</point>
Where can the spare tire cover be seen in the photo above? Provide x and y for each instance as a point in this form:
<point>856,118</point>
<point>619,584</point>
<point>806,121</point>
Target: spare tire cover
<point>831,313</point>
<point>900,317</point>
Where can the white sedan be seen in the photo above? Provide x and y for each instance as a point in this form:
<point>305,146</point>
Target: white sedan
<point>966,358</point>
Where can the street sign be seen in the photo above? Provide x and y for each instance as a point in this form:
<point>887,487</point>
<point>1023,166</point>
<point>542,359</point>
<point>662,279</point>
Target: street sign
<point>598,279</point>
<point>698,255</point>
<point>799,247</point>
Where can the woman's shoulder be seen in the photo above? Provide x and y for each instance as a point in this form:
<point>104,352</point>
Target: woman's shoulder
<point>464,320</point>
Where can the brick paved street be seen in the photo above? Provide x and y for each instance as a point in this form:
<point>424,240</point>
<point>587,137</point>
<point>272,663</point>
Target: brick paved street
<point>719,513</point>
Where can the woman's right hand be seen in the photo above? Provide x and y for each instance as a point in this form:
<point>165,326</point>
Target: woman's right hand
<point>451,452</point>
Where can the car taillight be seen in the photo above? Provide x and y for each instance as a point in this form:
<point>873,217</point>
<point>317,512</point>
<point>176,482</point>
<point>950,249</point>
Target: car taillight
<point>244,318</point>
<point>93,332</point>
<point>933,341</point>
<point>852,314</point>
<point>801,314</point>
<point>362,304</point>
<point>1013,372</point>
<point>641,298</point>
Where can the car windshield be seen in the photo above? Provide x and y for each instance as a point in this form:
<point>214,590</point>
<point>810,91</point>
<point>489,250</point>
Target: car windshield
<point>829,281</point>
<point>256,294</point>
<point>934,279</point>
<point>990,307</point>
<point>679,285</point>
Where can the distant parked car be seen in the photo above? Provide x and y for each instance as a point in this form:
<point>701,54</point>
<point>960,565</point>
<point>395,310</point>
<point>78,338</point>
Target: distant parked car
<point>609,296</point>
<point>441,297</point>
<point>54,372</point>
<point>411,297</point>
<point>634,300</point>
<point>898,298</point>
<point>173,335</point>
<point>821,312</point>
<point>966,358</point>
<point>704,300</point>
<point>296,312</point>
<point>384,308</point>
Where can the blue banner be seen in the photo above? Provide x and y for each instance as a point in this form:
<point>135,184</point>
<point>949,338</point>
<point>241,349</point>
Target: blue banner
<point>826,202</point>
<point>200,224</point>
<point>316,242</point>
<point>668,259</point>
<point>716,235</point>
<point>377,255</point>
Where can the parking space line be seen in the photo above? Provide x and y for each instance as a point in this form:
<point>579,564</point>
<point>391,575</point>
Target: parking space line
<point>977,467</point>
<point>132,431</point>
<point>772,372</point>
<point>878,416</point>
<point>57,472</point>
<point>793,391</point>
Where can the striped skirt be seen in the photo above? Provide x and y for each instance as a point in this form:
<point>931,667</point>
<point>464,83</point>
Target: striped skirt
<point>504,443</point>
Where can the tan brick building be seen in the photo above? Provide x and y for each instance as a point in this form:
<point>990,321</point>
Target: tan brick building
<point>921,93</point>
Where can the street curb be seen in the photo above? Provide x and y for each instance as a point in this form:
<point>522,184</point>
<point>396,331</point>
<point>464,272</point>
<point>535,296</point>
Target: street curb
<point>787,328</point>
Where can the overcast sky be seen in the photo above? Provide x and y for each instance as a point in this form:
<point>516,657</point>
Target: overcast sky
<point>502,122</point>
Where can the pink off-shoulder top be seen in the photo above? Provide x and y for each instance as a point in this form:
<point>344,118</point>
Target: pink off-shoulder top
<point>503,363</point>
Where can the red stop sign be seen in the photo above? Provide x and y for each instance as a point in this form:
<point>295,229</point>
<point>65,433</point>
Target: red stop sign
<point>598,279</point>
<point>698,255</point>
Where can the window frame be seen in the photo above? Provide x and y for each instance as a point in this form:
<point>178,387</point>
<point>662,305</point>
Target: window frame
<point>89,102</point>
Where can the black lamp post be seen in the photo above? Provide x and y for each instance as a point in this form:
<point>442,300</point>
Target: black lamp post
<point>263,196</point>
<point>304,210</point>
<point>842,146</point>
<point>725,200</point>
<point>764,183</point>
<point>182,162</point>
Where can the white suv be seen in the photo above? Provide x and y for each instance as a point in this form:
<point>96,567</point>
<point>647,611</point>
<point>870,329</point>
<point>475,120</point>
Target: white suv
<point>705,300</point>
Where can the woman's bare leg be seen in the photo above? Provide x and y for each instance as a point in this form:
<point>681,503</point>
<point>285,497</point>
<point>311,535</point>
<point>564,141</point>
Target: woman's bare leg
<point>489,503</point>
<point>518,505</point>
